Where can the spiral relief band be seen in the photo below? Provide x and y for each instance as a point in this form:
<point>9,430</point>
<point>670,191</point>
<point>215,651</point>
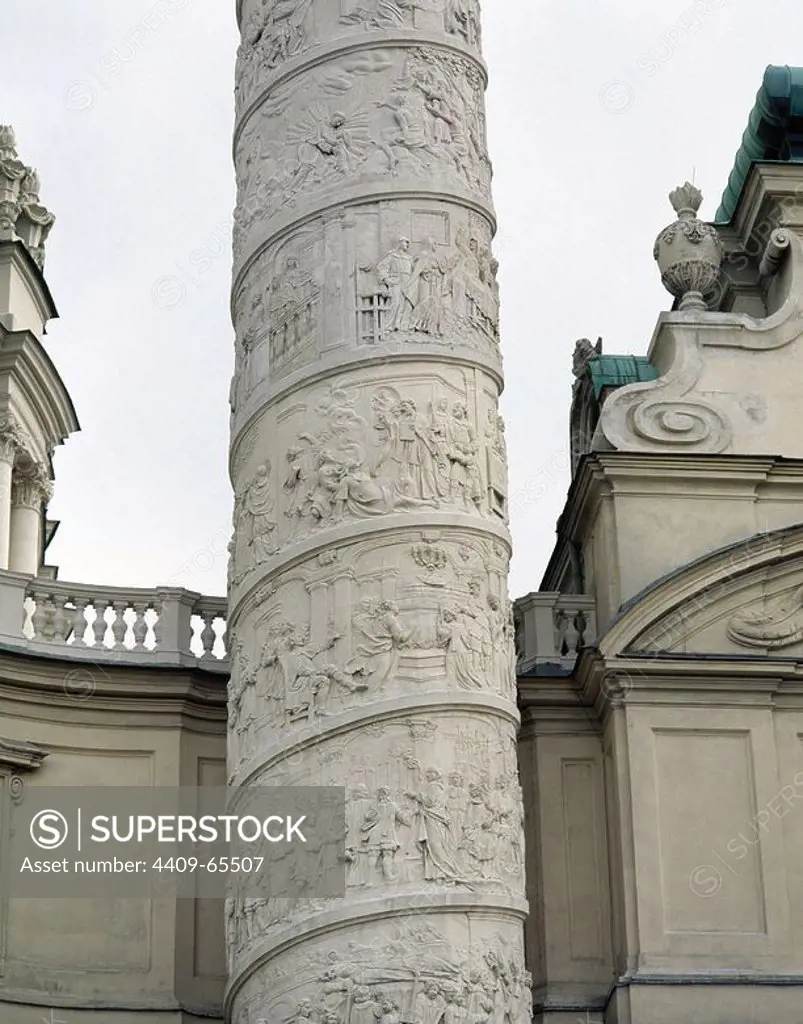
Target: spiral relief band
<point>372,635</point>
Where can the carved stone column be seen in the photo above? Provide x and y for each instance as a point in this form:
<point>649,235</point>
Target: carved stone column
<point>29,489</point>
<point>370,553</point>
<point>8,449</point>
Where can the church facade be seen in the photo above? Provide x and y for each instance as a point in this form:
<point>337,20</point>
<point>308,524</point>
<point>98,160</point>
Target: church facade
<point>584,807</point>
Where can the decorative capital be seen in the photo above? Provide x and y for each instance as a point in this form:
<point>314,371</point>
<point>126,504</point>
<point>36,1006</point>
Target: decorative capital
<point>10,439</point>
<point>689,252</point>
<point>30,486</point>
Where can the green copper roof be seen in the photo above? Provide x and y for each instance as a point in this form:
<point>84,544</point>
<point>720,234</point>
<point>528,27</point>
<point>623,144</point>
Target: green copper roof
<point>774,132</point>
<point>614,371</point>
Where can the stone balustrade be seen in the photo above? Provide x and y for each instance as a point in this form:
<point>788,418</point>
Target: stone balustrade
<point>552,630</point>
<point>162,626</point>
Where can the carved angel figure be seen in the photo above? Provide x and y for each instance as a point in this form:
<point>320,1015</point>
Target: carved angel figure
<point>330,145</point>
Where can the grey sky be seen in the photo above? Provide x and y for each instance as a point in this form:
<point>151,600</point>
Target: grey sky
<point>597,108</point>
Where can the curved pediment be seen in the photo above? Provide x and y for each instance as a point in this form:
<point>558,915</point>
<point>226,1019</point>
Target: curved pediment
<point>744,600</point>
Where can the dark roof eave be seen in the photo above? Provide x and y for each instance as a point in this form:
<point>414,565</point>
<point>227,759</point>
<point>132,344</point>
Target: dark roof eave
<point>778,112</point>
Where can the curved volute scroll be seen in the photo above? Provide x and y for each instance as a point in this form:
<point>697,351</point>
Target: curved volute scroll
<point>704,402</point>
<point>22,215</point>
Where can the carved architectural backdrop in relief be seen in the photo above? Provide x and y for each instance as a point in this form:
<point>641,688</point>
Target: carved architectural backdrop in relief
<point>278,30</point>
<point>371,275</point>
<point>414,114</point>
<point>412,614</point>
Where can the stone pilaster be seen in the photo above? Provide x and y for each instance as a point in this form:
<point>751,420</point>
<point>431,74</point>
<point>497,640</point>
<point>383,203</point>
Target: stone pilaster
<point>368,600</point>
<point>30,489</point>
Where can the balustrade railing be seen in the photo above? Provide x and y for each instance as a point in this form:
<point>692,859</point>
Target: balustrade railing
<point>553,628</point>
<point>161,626</point>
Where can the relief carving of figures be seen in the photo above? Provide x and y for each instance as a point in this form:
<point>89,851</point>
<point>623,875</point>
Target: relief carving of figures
<point>295,295</point>
<point>462,18</point>
<point>434,834</point>
<point>377,13</point>
<point>776,624</point>
<point>465,483</point>
<point>302,676</point>
<point>379,832</point>
<point>256,509</point>
<point>275,31</point>
<point>382,637</point>
<point>449,293</point>
<point>436,110</point>
<point>394,271</point>
<point>417,977</point>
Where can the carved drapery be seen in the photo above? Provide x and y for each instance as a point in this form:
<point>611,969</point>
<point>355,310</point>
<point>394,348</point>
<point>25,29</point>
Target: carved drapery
<point>371,630</point>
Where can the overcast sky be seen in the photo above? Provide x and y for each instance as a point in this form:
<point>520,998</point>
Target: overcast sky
<point>596,110</point>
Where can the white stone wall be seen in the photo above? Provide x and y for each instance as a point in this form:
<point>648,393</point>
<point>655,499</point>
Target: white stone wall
<point>371,629</point>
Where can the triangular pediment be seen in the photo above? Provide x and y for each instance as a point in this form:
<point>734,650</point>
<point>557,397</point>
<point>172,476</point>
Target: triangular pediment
<point>743,601</point>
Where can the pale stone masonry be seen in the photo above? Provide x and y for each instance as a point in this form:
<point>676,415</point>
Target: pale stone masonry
<point>368,605</point>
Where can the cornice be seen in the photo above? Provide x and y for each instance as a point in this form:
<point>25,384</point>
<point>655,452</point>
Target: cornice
<point>20,756</point>
<point>91,693</point>
<point>17,252</point>
<point>24,357</point>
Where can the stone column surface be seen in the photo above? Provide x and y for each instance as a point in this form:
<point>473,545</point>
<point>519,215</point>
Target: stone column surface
<point>371,629</point>
<point>29,488</point>
<point>8,450</point>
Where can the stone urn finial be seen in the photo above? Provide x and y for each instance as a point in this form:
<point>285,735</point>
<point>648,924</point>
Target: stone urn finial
<point>689,252</point>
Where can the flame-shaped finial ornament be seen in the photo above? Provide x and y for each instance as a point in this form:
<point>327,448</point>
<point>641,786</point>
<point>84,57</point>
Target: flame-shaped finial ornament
<point>689,252</point>
<point>686,198</point>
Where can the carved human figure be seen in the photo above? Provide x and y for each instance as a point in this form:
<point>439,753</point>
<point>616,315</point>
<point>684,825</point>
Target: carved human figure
<point>429,1004</point>
<point>465,483</point>
<point>257,515</point>
<point>307,677</point>
<point>462,18</point>
<point>293,299</point>
<point>329,144</point>
<point>364,1008</point>
<point>426,291</point>
<point>379,833</point>
<point>383,637</point>
<point>456,1011</point>
<point>434,835</point>
<point>410,133</point>
<point>393,271</point>
<point>455,632</point>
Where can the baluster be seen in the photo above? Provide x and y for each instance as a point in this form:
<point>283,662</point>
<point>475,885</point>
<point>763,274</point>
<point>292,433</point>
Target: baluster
<point>40,615</point>
<point>208,634</point>
<point>157,626</point>
<point>61,619</point>
<point>572,634</point>
<point>224,638</point>
<point>99,626</point>
<point>560,631</point>
<point>78,622</point>
<point>140,627</point>
<point>119,625</point>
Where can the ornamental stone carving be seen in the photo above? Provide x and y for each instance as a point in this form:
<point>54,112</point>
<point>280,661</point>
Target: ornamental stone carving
<point>775,624</point>
<point>30,486</point>
<point>373,643</point>
<point>689,252</point>
<point>22,214</point>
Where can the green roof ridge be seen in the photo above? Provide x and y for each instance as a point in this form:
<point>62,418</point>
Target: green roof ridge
<point>779,106</point>
<point>616,371</point>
